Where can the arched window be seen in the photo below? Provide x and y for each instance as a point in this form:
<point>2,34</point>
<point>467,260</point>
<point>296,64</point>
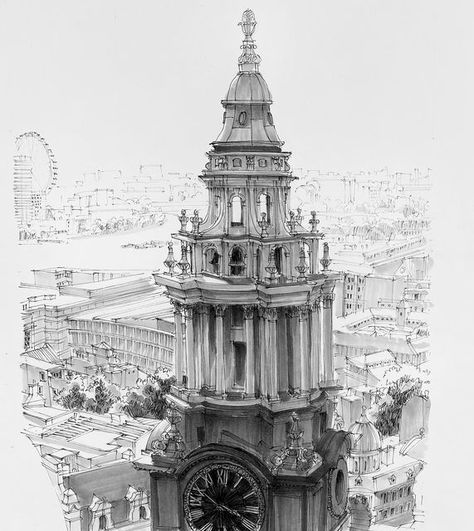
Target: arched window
<point>356,466</point>
<point>258,264</point>
<point>237,264</point>
<point>279,259</point>
<point>102,521</point>
<point>237,213</point>
<point>142,512</point>
<point>212,260</point>
<point>264,202</point>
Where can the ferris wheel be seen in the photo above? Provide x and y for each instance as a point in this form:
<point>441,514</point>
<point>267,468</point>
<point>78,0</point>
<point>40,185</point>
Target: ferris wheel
<point>34,149</point>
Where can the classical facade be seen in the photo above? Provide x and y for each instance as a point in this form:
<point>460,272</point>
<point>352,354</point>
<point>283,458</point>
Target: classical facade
<point>250,445</point>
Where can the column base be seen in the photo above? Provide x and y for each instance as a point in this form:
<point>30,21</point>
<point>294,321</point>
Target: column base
<point>329,385</point>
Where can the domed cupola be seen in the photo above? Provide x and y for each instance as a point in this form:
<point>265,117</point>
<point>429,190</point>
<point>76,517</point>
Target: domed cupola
<point>248,122</point>
<point>366,446</point>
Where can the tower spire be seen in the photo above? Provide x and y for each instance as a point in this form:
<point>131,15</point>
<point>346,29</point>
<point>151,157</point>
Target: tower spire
<point>248,60</point>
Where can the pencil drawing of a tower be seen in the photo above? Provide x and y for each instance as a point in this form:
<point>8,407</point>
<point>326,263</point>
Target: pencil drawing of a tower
<point>251,445</point>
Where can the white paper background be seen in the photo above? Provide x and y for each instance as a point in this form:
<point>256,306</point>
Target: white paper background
<point>358,85</point>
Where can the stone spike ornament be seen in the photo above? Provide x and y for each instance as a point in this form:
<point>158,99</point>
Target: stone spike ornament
<point>183,219</point>
<point>291,222</point>
<point>314,221</point>
<point>263,224</point>
<point>325,260</point>
<point>271,268</point>
<point>195,221</point>
<point>294,456</point>
<point>183,264</point>
<point>302,267</point>
<point>170,261</point>
<point>248,60</point>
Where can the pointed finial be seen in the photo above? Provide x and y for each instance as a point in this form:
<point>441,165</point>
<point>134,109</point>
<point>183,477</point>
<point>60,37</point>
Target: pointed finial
<point>325,260</point>
<point>301,267</point>
<point>248,60</point>
<point>170,261</point>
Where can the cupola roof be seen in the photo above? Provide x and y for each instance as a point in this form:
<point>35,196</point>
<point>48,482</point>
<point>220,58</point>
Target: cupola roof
<point>365,437</point>
<point>248,122</point>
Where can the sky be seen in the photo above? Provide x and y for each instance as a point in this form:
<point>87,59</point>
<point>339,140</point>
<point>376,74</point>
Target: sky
<point>115,84</point>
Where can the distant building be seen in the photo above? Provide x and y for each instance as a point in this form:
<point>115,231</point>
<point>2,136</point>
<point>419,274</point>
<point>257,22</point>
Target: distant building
<point>381,477</point>
<point>79,320</point>
<point>399,330</point>
<point>88,458</point>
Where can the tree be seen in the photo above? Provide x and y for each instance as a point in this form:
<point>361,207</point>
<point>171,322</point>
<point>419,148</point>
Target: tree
<point>74,398</point>
<point>151,400</point>
<point>102,401</point>
<point>390,409</point>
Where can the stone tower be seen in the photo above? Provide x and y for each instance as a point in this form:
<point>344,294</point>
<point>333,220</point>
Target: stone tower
<point>253,355</point>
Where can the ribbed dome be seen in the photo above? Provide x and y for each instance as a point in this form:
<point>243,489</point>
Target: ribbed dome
<point>248,87</point>
<point>365,436</point>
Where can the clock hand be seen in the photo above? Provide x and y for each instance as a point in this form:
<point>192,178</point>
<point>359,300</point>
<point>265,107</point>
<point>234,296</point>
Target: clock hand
<point>231,511</point>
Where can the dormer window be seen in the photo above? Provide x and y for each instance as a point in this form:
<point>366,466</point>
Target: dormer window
<point>242,118</point>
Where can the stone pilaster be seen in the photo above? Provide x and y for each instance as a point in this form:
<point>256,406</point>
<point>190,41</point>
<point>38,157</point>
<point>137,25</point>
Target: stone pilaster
<point>250,360</point>
<point>189,327</point>
<point>304,350</point>
<point>178,342</point>
<point>271,352</point>
<point>220,365</point>
<point>315,344</point>
<point>328,360</point>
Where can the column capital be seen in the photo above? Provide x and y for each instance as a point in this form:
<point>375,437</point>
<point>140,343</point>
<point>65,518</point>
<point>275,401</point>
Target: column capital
<point>248,311</point>
<point>315,305</point>
<point>202,308</point>
<point>220,309</point>
<point>303,311</point>
<point>177,307</point>
<point>327,299</point>
<point>188,310</point>
<point>270,314</point>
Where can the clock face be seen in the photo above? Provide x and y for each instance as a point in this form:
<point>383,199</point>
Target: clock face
<point>224,497</point>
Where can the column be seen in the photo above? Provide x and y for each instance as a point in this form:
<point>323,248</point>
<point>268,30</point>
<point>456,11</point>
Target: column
<point>250,357</point>
<point>178,342</point>
<point>263,351</point>
<point>295,349</point>
<point>328,361</point>
<point>198,347</point>
<point>315,344</point>
<point>271,350</point>
<point>206,362</point>
<point>220,376</point>
<point>314,256</point>
<point>304,351</point>
<point>190,347</point>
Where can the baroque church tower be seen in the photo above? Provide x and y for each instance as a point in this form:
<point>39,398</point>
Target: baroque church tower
<point>250,444</point>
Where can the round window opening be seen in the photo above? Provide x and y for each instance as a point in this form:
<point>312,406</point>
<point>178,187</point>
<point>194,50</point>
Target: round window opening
<point>340,486</point>
<point>243,118</point>
<point>270,118</point>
